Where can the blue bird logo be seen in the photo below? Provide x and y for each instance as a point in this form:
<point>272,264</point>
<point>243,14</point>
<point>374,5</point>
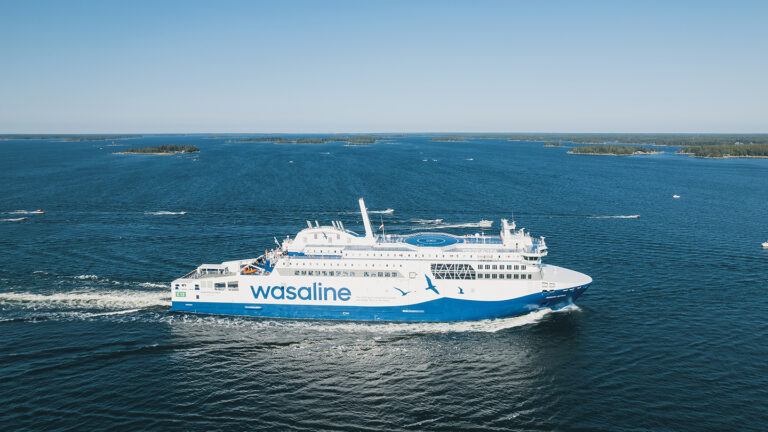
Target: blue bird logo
<point>430,286</point>
<point>401,291</point>
<point>461,290</point>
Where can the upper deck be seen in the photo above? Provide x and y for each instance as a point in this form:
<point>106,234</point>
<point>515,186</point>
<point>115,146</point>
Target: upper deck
<point>334,241</point>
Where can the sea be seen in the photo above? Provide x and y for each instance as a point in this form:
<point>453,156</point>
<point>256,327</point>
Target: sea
<point>671,336</point>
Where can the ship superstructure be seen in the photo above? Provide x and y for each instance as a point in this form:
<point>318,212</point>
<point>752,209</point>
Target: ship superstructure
<point>330,272</point>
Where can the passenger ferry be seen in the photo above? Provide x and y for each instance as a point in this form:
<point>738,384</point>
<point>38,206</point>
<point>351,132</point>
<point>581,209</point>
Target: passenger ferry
<point>330,272</point>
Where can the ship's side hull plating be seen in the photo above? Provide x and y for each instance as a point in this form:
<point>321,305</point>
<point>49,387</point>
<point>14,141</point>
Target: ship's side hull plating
<point>441,309</point>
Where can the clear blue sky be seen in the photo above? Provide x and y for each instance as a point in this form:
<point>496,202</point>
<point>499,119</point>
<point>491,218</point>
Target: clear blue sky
<point>388,66</point>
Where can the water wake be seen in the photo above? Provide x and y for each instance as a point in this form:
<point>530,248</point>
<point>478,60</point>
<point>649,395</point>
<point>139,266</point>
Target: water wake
<point>481,224</point>
<point>86,300</point>
<point>13,219</point>
<point>29,212</point>
<point>615,217</point>
<point>387,211</point>
<point>427,221</point>
<point>163,213</point>
<point>376,328</point>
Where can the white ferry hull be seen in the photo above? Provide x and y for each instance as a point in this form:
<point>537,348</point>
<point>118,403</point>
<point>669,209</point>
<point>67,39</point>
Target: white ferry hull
<point>329,272</point>
<point>424,300</point>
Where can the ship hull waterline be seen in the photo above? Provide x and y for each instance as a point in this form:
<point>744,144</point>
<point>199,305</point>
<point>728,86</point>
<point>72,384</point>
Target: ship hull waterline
<point>439,310</point>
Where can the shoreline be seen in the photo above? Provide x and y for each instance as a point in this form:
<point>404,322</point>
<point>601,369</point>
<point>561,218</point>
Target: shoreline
<point>615,154</point>
<point>155,154</point>
<point>693,155</point>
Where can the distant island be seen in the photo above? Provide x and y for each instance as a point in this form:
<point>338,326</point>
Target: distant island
<point>449,139</point>
<point>553,144</point>
<point>166,149</point>
<point>724,151</point>
<point>348,139</point>
<point>612,150</point>
<point>656,139</point>
<point>67,137</point>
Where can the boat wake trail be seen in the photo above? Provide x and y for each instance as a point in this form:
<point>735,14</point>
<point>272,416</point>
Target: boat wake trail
<point>615,217</point>
<point>13,219</point>
<point>88,300</point>
<point>306,327</point>
<point>28,212</point>
<point>481,224</point>
<point>165,213</point>
<point>427,221</point>
<point>387,211</point>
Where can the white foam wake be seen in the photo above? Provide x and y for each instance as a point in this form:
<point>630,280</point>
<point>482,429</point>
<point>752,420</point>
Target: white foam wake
<point>13,219</point>
<point>427,221</point>
<point>481,224</point>
<point>375,328</point>
<point>387,211</point>
<point>87,300</point>
<point>615,217</point>
<point>163,212</point>
<point>26,212</point>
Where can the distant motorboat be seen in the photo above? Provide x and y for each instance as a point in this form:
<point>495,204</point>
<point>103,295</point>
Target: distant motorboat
<point>675,196</point>
<point>38,211</point>
<point>765,245</point>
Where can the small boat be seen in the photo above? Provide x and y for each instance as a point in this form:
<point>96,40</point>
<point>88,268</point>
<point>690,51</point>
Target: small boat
<point>675,196</point>
<point>765,245</point>
<point>38,211</point>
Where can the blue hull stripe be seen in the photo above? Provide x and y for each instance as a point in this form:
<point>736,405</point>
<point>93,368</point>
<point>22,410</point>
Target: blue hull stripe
<point>444,309</point>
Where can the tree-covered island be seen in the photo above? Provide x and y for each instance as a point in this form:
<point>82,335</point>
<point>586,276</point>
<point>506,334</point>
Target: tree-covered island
<point>165,149</point>
<point>449,139</point>
<point>612,150</point>
<point>348,139</point>
<point>553,144</point>
<point>724,151</point>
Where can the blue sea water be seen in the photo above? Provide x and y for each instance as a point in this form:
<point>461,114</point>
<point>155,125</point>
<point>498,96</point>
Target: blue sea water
<point>672,335</point>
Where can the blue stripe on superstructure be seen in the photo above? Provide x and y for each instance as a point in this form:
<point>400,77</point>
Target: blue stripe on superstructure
<point>443,309</point>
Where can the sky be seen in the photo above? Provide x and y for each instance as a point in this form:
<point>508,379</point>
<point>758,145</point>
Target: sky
<point>383,66</point>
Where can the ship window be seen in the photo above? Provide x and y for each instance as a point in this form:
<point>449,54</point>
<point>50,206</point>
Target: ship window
<point>303,272</point>
<point>351,273</point>
<point>494,276</point>
<point>365,274</point>
<point>197,287</point>
<point>522,267</point>
<point>509,276</point>
<point>177,286</point>
<point>517,276</point>
<point>493,267</point>
<point>517,267</point>
<point>219,286</point>
<point>310,272</point>
<point>325,273</point>
<point>296,272</point>
<point>509,267</point>
<point>381,274</point>
<point>231,285</point>
<point>529,276</point>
